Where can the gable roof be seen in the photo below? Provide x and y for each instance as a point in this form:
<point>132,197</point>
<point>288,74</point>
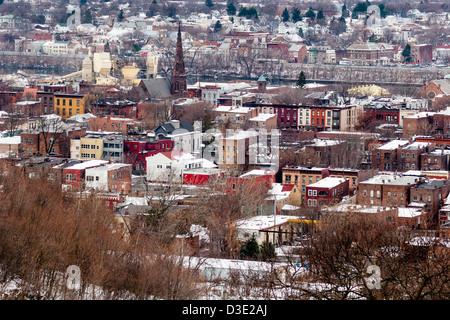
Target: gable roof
<point>157,87</point>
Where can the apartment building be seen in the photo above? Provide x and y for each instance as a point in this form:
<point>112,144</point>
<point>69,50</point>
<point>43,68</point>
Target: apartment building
<point>386,190</point>
<point>385,156</point>
<point>67,105</point>
<point>303,176</point>
<point>326,191</point>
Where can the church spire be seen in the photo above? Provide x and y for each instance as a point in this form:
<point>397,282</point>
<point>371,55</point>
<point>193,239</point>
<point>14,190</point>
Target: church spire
<point>179,76</point>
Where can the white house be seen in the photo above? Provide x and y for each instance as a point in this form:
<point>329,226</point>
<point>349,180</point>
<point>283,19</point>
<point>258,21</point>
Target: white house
<point>186,137</point>
<point>55,47</point>
<point>169,166</point>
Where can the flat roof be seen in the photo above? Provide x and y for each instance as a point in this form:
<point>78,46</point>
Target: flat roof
<point>328,182</point>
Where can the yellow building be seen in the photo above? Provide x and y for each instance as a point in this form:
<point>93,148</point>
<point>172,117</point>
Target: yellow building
<point>69,104</point>
<point>91,148</point>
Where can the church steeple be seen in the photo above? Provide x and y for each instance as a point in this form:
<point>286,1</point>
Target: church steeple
<point>179,76</point>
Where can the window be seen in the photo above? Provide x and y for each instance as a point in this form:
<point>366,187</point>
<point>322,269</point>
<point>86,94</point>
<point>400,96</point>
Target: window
<point>68,177</point>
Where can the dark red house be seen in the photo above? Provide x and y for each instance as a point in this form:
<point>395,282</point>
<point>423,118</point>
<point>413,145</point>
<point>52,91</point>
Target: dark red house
<point>326,191</point>
<point>135,152</point>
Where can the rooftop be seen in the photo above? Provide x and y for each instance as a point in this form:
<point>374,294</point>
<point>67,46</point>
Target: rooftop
<point>394,144</point>
<point>328,182</point>
<point>387,179</point>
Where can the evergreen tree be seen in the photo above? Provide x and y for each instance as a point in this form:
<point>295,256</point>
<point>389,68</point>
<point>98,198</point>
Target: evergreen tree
<point>209,3</point>
<point>120,17</point>
<point>87,17</point>
<point>360,8</point>
<point>267,251</point>
<point>285,15</point>
<point>231,9</point>
<point>406,53</point>
<point>248,13</point>
<point>301,81</point>
<point>296,15</point>
<point>320,15</point>
<point>300,32</point>
<point>217,26</point>
<point>250,249</point>
<point>310,14</point>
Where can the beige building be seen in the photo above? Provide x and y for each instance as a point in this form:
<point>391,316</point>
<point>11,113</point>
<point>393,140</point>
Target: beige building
<point>91,148</point>
<point>233,150</point>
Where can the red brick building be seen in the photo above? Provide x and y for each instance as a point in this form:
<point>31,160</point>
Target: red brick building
<point>386,190</point>
<point>326,191</point>
<point>257,180</point>
<point>73,176</point>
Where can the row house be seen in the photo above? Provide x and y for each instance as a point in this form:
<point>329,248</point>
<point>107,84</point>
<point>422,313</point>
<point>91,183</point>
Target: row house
<point>303,176</point>
<point>430,195</point>
<point>114,107</point>
<point>28,109</point>
<point>385,114</point>
<point>114,177</point>
<point>326,191</point>
<point>437,159</point>
<point>112,124</point>
<point>325,150</point>
<point>234,150</point>
<point>135,151</point>
<point>409,156</point>
<point>235,117</point>
<point>420,123</point>
<point>354,176</point>
<point>386,190</point>
<point>73,177</point>
<point>252,182</point>
<point>67,105</point>
<point>169,166</point>
<point>51,141</point>
<point>318,118</point>
<point>385,156</point>
<point>113,148</point>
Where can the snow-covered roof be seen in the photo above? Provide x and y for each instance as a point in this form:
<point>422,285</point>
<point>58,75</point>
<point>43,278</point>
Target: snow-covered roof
<point>263,117</point>
<point>10,140</point>
<point>257,172</point>
<point>328,182</point>
<point>391,180</point>
<point>263,222</point>
<point>394,144</point>
<point>87,164</point>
